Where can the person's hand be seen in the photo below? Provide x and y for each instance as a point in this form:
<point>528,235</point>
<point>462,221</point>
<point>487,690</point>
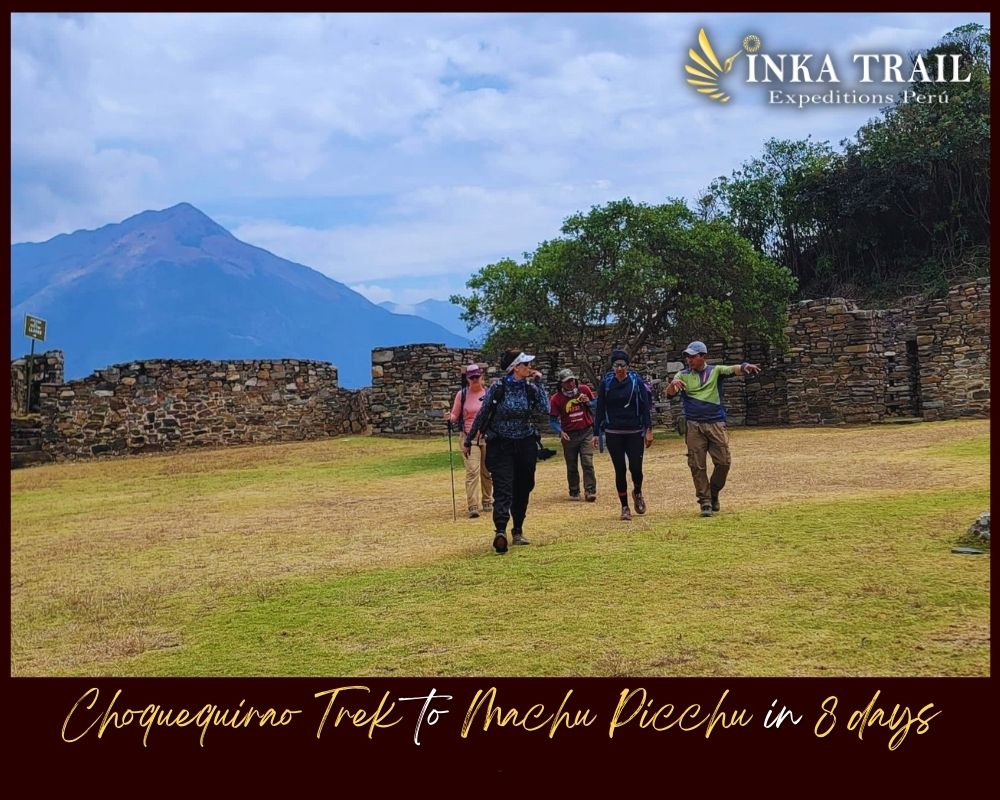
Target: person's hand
<point>751,369</point>
<point>564,436</point>
<point>597,442</point>
<point>535,375</point>
<point>649,437</point>
<point>466,450</point>
<point>447,415</point>
<point>676,384</point>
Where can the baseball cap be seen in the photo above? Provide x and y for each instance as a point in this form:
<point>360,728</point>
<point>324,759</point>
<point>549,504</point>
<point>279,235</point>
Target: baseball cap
<point>565,375</point>
<point>696,348</point>
<point>473,369</point>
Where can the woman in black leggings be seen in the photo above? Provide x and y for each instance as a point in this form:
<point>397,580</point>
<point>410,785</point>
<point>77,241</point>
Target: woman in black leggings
<point>623,413</point>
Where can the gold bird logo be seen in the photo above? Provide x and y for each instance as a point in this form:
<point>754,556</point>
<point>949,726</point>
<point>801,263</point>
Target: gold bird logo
<point>707,69</point>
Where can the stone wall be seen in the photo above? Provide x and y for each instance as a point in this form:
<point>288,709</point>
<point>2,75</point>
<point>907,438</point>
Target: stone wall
<point>150,406</point>
<point>844,364</point>
<point>46,367</point>
<point>414,384</point>
<point>953,352</point>
<point>926,358</point>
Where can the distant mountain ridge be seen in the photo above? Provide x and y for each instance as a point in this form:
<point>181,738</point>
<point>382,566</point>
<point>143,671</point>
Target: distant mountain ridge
<point>176,284</point>
<point>445,314</point>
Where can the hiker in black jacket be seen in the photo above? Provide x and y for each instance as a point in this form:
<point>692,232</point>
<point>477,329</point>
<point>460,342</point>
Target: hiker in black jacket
<point>623,413</point>
<point>505,421</point>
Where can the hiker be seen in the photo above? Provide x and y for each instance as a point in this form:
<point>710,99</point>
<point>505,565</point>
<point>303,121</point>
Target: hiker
<point>512,449</point>
<point>624,415</point>
<point>468,401</point>
<point>569,412</point>
<point>700,386</point>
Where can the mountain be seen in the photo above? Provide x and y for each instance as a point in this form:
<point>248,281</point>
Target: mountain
<point>443,313</point>
<point>175,284</point>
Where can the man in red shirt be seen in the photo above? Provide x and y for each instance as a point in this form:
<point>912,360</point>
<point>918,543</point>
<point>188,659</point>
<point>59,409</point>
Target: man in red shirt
<point>571,418</point>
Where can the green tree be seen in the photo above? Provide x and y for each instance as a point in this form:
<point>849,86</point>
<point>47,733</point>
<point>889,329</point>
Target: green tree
<point>638,273</point>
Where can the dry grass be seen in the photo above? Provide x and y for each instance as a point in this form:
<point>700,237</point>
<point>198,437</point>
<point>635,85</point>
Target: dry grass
<point>113,558</point>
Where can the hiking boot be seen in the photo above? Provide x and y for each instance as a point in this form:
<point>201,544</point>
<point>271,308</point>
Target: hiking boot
<point>487,507</point>
<point>500,543</point>
<point>640,503</point>
<point>473,513</point>
<point>626,514</point>
<point>574,495</point>
<point>591,497</point>
<point>519,538</point>
<point>715,502</point>
<point>706,510</point>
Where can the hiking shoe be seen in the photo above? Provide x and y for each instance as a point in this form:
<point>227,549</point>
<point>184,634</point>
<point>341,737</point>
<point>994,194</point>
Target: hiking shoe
<point>473,513</point>
<point>574,495</point>
<point>500,543</point>
<point>487,507</point>
<point>519,539</point>
<point>640,503</point>
<point>626,514</point>
<point>706,510</point>
<point>591,497</point>
<point>715,503</point>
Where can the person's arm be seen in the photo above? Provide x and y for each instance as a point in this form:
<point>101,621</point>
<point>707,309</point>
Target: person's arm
<point>456,409</point>
<point>478,421</point>
<point>746,368</point>
<point>554,414</point>
<point>541,398</point>
<point>599,412</point>
<point>675,386</point>
<point>647,409</point>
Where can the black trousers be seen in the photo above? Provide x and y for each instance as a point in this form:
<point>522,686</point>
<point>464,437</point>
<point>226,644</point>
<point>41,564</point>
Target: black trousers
<point>511,462</point>
<point>620,446</point>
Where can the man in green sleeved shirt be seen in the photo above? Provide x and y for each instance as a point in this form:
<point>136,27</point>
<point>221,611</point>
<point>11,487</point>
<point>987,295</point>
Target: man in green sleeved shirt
<point>705,414</point>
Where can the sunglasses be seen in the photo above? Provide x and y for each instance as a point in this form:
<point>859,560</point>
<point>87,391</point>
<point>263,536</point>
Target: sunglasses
<point>620,364</point>
<point>474,377</point>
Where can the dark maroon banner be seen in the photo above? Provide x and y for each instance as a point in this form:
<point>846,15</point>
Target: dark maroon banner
<point>357,732</point>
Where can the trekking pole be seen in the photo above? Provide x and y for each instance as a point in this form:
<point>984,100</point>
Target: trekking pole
<point>451,464</point>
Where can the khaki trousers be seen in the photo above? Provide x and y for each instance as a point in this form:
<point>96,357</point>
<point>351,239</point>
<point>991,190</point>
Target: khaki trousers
<point>712,439</point>
<point>476,476</point>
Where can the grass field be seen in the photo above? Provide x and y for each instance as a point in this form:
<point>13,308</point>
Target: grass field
<point>832,556</point>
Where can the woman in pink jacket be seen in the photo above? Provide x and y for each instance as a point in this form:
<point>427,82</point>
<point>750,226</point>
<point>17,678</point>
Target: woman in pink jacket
<point>468,401</point>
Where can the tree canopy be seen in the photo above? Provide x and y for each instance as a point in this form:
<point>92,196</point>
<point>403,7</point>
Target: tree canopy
<point>640,273</point>
<point>905,207</point>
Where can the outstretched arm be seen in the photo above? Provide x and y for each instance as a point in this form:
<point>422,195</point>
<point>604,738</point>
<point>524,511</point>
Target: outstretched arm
<point>746,369</point>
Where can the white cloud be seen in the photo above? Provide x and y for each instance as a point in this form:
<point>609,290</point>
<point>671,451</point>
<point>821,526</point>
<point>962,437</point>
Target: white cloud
<point>483,131</point>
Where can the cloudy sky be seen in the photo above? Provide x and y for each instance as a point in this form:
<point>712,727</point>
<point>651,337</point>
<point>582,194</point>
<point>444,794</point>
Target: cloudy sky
<point>398,153</point>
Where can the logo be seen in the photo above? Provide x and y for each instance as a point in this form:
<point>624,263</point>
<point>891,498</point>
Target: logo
<point>706,67</point>
<point>804,79</point>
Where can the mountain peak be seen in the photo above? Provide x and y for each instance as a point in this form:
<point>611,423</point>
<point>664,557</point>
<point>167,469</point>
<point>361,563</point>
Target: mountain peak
<point>179,218</point>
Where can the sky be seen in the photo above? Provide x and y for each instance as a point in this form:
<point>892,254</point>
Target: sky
<point>400,153</point>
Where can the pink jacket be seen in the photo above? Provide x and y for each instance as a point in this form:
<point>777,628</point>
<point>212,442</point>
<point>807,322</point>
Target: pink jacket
<point>473,402</point>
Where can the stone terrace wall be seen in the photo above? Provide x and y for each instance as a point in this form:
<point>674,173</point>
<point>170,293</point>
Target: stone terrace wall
<point>45,368</point>
<point>165,405</point>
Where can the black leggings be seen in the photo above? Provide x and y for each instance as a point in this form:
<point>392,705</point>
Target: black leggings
<point>619,446</point>
<point>511,463</point>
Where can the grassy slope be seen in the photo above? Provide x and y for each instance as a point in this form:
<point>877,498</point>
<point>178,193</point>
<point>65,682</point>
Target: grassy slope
<point>832,556</point>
